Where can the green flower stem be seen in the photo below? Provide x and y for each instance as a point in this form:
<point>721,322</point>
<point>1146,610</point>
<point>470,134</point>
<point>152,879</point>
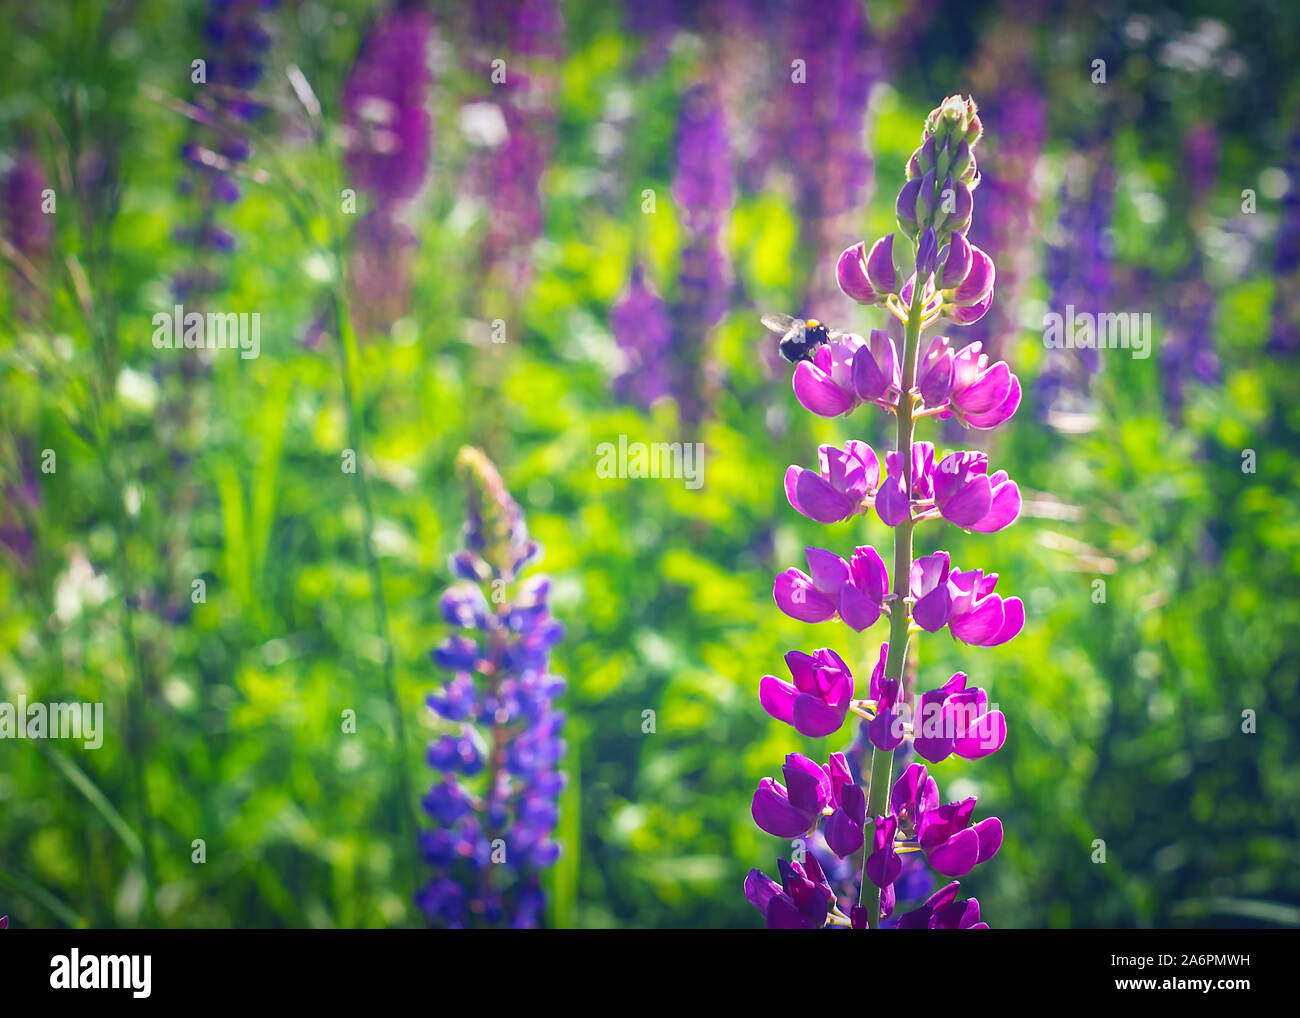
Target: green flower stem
<point>882,764</point>
<point>350,372</point>
<point>351,377</point>
<point>107,429</point>
<point>137,700</point>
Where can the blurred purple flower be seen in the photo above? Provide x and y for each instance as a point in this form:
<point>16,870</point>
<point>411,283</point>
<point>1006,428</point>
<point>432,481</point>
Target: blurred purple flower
<point>702,181</point>
<point>1188,350</point>
<point>26,226</point>
<point>20,498</point>
<point>389,140</point>
<point>1284,335</point>
<point>379,269</point>
<point>507,174</point>
<point>667,343</point>
<point>1201,160</point>
<point>703,192</point>
<point>1006,79</point>
<point>816,126</point>
<point>1078,270</point>
<point>641,322</point>
<point>235,42</point>
<point>384,107</point>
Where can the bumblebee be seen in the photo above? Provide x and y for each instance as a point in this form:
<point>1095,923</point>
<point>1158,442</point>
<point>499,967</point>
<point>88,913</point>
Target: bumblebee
<point>799,337</point>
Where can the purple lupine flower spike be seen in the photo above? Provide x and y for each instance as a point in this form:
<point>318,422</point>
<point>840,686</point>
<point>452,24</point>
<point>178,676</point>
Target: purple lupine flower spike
<point>667,344</point>
<point>703,189</point>
<point>26,226</point>
<point>818,127</point>
<point>1284,337</point>
<point>495,805</point>
<point>1188,351</point>
<point>1006,75</point>
<point>20,501</point>
<point>864,815</point>
<point>641,322</point>
<point>384,110</point>
<point>236,38</point>
<point>508,173</point>
<point>1078,271</point>
<point>389,138</point>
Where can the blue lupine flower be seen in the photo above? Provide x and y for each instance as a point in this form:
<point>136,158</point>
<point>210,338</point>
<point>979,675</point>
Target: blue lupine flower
<point>492,833</point>
<point>235,42</point>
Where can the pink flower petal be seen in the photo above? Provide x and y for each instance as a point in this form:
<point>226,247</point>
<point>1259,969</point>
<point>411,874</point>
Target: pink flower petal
<point>797,597</point>
<point>814,389</point>
<point>777,698</point>
<point>957,856</point>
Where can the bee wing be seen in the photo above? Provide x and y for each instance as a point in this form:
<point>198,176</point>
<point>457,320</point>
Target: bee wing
<point>834,333</point>
<point>779,322</point>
